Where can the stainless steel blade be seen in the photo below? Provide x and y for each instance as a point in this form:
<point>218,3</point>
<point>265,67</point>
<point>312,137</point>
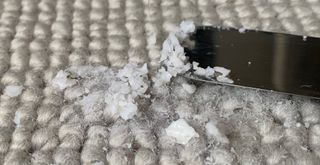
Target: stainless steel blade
<point>263,60</point>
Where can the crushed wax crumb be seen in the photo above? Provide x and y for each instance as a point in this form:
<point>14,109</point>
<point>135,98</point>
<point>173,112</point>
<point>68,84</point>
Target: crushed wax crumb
<point>207,73</point>
<point>161,77</point>
<point>103,90</point>
<point>17,118</point>
<point>61,80</point>
<point>304,38</point>
<point>173,59</point>
<point>13,90</point>
<point>242,30</point>
<point>181,131</point>
<point>224,73</point>
<point>185,28</point>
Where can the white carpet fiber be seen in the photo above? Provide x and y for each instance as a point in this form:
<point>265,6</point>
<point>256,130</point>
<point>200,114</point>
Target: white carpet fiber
<point>37,126</point>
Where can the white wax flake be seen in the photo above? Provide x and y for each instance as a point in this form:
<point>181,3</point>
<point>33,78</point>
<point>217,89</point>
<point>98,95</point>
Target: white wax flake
<point>171,45</point>
<point>173,57</point>
<point>129,109</point>
<point>120,105</point>
<point>105,90</point>
<point>119,98</point>
<point>120,87</point>
<point>135,76</point>
<point>90,102</point>
<point>177,65</point>
<point>224,73</point>
<point>161,77</point>
<point>224,80</point>
<point>181,131</point>
<point>61,80</point>
<point>132,70</point>
<point>185,28</point>
<point>242,30</point>
<point>189,88</point>
<point>304,38</point>
<point>17,118</point>
<point>208,72</point>
<point>298,125</point>
<point>74,92</point>
<point>213,131</point>
<point>13,90</point>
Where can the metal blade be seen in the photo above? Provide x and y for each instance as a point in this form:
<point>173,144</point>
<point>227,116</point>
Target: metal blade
<point>263,60</point>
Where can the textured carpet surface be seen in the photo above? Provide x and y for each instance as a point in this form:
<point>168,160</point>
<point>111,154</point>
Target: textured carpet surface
<point>40,37</point>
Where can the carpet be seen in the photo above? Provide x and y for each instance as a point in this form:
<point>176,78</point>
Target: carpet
<point>38,38</point>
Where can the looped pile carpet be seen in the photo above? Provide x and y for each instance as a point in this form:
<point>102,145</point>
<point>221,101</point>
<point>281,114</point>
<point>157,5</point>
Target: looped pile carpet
<point>40,37</point>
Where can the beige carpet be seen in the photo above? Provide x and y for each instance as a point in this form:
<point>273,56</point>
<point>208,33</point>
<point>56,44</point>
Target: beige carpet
<point>40,37</point>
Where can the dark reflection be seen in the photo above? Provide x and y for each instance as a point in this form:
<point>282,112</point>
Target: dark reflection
<point>273,61</point>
